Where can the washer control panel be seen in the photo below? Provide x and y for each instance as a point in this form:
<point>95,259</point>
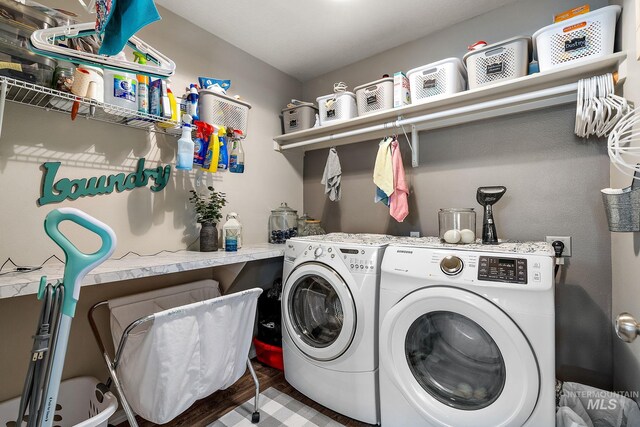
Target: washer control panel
<point>358,260</point>
<point>503,269</point>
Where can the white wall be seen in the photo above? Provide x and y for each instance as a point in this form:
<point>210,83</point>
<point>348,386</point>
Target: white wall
<point>625,247</point>
<point>148,222</point>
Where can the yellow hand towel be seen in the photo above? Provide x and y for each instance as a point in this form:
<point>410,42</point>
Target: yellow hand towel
<point>383,170</point>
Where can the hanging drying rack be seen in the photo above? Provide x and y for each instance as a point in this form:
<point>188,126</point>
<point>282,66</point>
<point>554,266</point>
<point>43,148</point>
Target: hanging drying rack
<point>464,107</point>
<point>46,42</point>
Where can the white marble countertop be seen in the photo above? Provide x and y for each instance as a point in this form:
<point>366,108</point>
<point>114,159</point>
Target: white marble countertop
<point>134,267</point>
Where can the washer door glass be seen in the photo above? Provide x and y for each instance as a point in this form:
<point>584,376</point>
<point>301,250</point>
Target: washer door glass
<point>455,360</point>
<point>319,313</point>
<point>316,312</point>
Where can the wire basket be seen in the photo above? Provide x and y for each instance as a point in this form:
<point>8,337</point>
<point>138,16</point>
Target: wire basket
<point>222,110</point>
<point>81,403</point>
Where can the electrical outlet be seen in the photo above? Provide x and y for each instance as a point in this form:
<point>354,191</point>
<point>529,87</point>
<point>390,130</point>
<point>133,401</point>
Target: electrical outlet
<point>414,234</point>
<point>566,252</point>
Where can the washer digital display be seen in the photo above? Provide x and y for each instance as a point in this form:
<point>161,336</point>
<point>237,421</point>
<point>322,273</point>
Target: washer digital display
<point>498,269</point>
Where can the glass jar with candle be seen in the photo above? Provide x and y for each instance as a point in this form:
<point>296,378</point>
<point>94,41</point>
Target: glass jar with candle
<point>457,225</point>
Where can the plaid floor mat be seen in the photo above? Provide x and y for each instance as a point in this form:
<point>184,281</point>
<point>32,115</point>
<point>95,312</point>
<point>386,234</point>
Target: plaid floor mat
<point>276,409</point>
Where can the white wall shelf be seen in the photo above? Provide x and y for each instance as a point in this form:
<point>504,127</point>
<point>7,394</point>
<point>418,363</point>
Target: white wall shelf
<point>54,100</point>
<point>527,93</point>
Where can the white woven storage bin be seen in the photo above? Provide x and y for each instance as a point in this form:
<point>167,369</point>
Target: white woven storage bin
<point>337,107</point>
<point>496,62</point>
<point>297,118</point>
<point>581,38</point>
<point>223,110</point>
<point>79,405</point>
<point>437,79</point>
<point>375,96</point>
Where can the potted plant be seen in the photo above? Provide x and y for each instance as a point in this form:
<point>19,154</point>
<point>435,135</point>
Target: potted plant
<point>208,213</point>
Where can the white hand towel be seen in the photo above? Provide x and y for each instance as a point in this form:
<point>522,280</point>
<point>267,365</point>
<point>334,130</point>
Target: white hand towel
<point>332,176</point>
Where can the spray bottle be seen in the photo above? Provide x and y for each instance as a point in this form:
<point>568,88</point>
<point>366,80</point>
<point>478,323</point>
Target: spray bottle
<point>236,158</point>
<point>184,156</point>
<point>143,84</point>
<point>203,133</point>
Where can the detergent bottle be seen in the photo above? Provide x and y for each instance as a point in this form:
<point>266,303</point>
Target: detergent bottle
<point>223,158</point>
<point>236,158</point>
<point>213,152</point>
<point>169,107</point>
<point>120,89</point>
<point>184,156</point>
<point>143,85</point>
<point>232,233</point>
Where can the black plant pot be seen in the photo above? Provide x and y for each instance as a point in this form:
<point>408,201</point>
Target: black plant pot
<point>208,237</point>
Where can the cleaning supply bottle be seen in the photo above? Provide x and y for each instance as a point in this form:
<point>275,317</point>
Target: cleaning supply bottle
<point>203,133</point>
<point>171,105</point>
<point>165,103</point>
<point>223,159</point>
<point>236,158</point>
<point>232,233</point>
<point>143,85</point>
<point>184,156</point>
<point>192,101</point>
<point>120,89</point>
<point>213,152</point>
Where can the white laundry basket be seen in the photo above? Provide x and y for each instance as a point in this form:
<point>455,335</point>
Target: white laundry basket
<point>375,96</point>
<point>496,62</point>
<point>223,110</point>
<point>337,107</point>
<point>80,404</point>
<point>197,339</point>
<point>580,38</point>
<point>436,80</point>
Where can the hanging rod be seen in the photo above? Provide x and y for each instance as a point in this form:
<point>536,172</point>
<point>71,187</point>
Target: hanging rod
<point>558,95</point>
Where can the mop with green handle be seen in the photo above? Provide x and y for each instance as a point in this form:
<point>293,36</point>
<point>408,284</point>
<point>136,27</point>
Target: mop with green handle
<point>59,305</point>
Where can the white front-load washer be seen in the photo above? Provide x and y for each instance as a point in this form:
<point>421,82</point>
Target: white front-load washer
<point>467,335</point>
<point>330,320</point>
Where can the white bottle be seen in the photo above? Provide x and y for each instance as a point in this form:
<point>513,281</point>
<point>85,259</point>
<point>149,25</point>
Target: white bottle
<point>184,155</point>
<point>120,89</point>
<point>232,229</point>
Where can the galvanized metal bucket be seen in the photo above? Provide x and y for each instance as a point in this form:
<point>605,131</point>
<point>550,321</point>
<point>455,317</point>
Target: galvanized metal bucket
<point>623,207</point>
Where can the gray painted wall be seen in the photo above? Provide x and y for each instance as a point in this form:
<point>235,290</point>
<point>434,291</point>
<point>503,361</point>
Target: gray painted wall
<point>553,181</point>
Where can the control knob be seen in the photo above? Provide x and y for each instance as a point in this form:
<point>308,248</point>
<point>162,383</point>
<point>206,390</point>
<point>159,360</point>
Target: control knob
<point>317,252</point>
<point>451,265</point>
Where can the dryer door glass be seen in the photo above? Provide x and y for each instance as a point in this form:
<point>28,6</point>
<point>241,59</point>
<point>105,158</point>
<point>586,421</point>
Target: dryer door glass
<point>455,360</point>
<point>316,311</point>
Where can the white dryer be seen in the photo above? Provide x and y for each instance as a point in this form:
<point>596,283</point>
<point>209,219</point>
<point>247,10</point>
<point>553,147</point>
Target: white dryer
<point>467,336</point>
<point>330,320</point>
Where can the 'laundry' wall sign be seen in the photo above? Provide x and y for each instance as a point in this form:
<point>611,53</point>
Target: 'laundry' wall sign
<point>56,191</point>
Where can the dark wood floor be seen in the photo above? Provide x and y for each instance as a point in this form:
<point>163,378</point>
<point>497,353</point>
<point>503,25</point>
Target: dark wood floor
<point>207,410</point>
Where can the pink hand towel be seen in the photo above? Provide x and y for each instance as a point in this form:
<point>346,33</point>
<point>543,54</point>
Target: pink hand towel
<point>399,206</point>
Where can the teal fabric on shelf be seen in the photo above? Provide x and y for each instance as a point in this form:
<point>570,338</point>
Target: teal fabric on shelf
<point>127,17</point>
